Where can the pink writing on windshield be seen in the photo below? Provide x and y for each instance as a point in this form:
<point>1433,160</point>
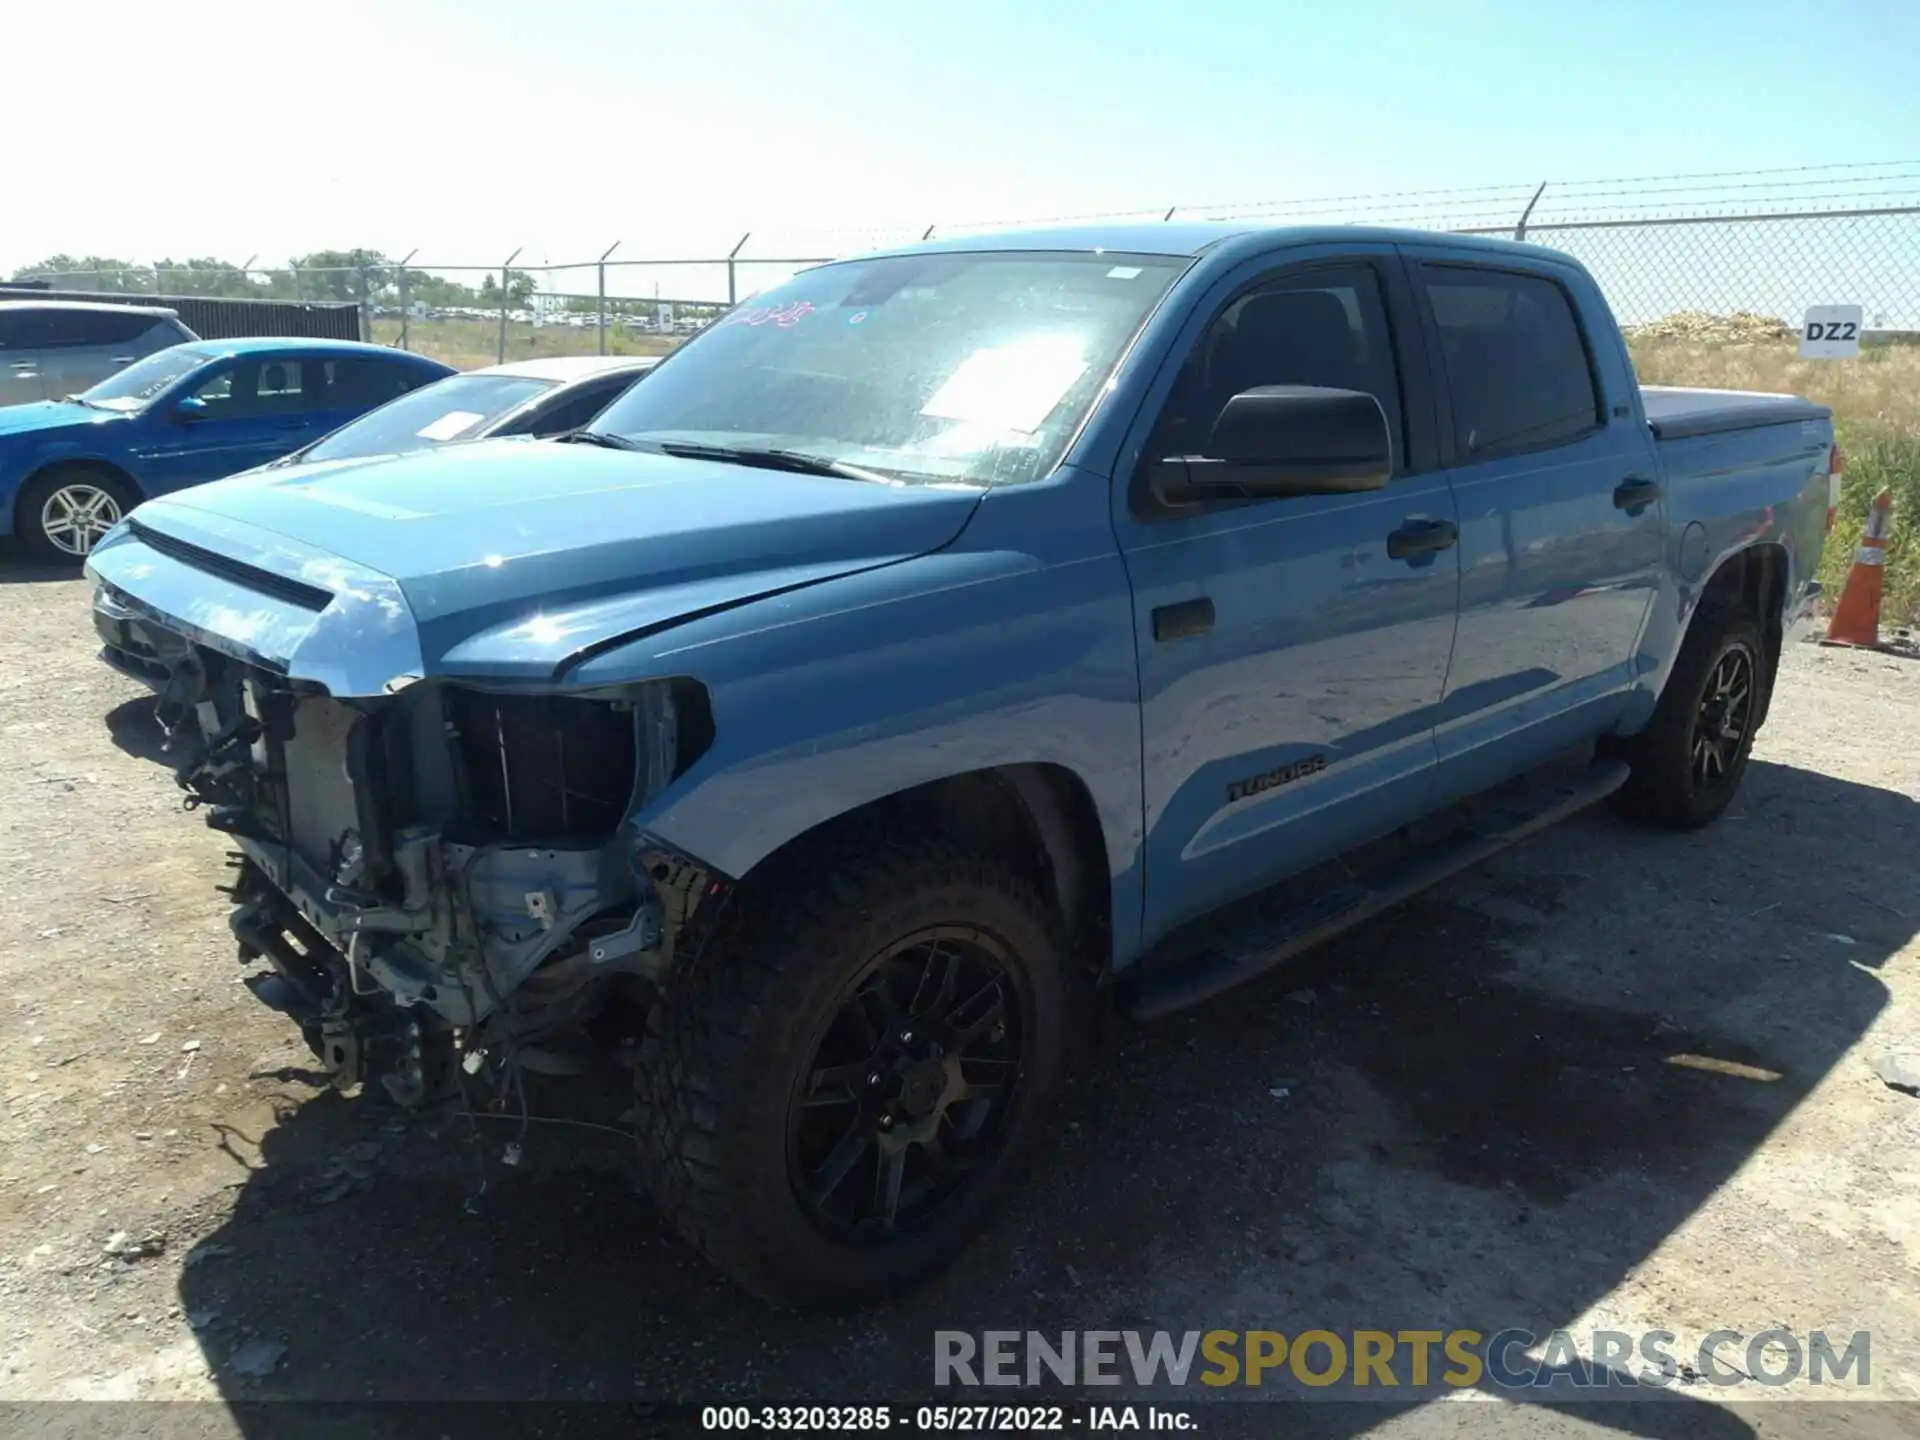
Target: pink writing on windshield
<point>784,316</point>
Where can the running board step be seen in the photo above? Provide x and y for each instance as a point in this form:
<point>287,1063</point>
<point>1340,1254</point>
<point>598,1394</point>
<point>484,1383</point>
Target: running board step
<point>1159,988</point>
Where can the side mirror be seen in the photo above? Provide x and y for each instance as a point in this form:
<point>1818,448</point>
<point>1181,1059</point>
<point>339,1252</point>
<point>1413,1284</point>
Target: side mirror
<point>1283,440</point>
<point>190,408</point>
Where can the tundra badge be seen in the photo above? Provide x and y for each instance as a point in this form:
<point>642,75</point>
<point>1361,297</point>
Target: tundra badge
<point>1268,780</point>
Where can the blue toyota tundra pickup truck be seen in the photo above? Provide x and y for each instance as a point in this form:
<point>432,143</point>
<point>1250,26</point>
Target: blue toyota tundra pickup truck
<point>943,647</point>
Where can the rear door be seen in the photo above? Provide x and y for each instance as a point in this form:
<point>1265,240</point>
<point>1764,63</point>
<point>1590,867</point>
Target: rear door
<point>343,388</point>
<point>1562,526</point>
<point>1290,666</point>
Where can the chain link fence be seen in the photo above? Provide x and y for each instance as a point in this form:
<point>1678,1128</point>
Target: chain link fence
<point>1767,243</point>
<point>1773,266</point>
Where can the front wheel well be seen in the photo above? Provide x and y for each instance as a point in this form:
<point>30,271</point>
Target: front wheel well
<point>1038,817</point>
<point>105,468</point>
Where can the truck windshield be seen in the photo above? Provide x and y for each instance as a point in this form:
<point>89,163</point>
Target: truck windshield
<point>133,387</point>
<point>457,408</point>
<point>973,367</point>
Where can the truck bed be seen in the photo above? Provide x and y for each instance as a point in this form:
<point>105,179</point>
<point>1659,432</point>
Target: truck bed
<point>1675,413</point>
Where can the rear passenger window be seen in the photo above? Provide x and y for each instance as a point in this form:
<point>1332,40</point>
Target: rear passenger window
<point>1517,366</point>
<point>362,384</point>
<point>65,329</point>
<point>577,409</point>
<point>103,327</point>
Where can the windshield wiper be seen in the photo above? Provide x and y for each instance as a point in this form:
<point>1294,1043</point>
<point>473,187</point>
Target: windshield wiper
<point>797,462</point>
<point>596,437</point>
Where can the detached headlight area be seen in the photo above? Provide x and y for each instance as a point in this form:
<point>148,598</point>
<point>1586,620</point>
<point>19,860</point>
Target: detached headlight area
<point>444,862</point>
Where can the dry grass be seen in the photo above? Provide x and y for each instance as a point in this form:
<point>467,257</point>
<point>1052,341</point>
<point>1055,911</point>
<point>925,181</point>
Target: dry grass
<point>1881,387</point>
<point>1876,403</point>
<point>470,344</point>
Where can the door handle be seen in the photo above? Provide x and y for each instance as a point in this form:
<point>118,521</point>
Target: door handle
<point>291,425</point>
<point>1178,622</point>
<point>1422,537</point>
<point>121,360</point>
<point>1634,493</point>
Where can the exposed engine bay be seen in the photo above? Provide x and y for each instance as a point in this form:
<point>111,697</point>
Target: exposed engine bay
<point>437,871</point>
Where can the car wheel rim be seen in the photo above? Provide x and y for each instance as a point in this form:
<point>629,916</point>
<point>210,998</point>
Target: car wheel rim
<point>77,517</point>
<point>1723,718</point>
<point>904,1099</point>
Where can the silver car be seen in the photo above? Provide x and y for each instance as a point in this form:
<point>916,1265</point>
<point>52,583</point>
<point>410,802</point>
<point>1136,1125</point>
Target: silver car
<point>525,397</point>
<point>50,349</point>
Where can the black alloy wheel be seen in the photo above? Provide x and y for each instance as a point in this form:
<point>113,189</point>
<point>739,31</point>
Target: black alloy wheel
<point>1724,716</point>
<point>907,1088</point>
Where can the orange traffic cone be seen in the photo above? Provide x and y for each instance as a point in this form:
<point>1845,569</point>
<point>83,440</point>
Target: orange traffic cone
<point>1856,619</point>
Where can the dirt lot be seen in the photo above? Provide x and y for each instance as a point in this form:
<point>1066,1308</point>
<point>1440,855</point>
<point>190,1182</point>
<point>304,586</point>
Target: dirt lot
<point>1461,1115</point>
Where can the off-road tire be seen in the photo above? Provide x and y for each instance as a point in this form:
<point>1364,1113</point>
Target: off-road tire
<point>34,495</point>
<point>1663,789</point>
<point>734,1027</point>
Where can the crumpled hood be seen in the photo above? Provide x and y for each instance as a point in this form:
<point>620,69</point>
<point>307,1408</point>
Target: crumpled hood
<point>494,560</point>
<point>43,416</point>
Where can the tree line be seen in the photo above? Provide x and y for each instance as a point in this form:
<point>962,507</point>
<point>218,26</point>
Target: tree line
<point>347,275</point>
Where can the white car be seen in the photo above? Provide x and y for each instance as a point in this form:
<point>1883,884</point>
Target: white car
<point>526,397</point>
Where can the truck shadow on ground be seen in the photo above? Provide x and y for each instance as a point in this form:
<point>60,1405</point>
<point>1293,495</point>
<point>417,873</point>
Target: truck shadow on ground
<point>1461,1115</point>
<point>18,568</point>
<point>135,729</point>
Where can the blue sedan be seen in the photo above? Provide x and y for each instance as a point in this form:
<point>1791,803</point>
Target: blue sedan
<point>70,469</point>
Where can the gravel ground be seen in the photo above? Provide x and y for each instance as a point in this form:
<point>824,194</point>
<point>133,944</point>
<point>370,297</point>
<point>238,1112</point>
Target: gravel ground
<point>1463,1114</point>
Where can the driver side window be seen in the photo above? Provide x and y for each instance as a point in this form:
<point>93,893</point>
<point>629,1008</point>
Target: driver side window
<point>216,392</point>
<point>1320,326</point>
<point>248,388</point>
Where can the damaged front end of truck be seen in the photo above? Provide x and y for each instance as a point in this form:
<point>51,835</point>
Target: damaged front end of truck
<point>430,871</point>
<point>439,822</point>
<point>438,869</point>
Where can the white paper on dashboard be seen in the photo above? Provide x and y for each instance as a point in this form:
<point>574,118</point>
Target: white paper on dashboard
<point>450,425</point>
<point>1009,387</point>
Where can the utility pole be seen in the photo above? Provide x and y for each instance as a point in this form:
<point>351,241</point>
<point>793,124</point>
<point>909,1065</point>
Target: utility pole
<point>505,272</point>
<point>603,294</point>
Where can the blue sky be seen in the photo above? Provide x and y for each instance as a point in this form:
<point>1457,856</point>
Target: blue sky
<point>467,127</point>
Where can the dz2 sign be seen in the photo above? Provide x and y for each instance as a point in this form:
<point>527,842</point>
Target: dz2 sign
<point>1831,332</point>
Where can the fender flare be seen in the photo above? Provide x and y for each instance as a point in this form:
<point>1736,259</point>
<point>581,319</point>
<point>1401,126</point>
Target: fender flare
<point>1761,568</point>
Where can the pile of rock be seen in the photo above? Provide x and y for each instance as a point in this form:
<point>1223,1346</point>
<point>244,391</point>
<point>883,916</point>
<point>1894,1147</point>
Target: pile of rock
<point>1703,328</point>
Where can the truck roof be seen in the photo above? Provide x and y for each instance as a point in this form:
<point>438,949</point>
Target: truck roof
<point>1194,238</point>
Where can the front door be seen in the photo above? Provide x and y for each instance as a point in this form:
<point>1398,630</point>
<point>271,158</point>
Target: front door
<point>250,411</point>
<point>25,339</point>
<point>1290,666</point>
<point>1562,526</point>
